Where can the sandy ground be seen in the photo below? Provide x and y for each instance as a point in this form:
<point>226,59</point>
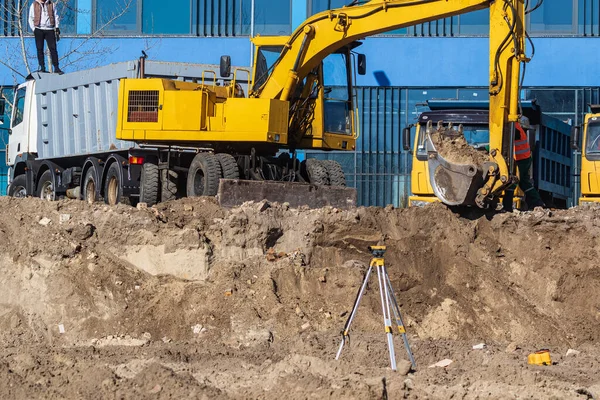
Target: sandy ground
<point>189,300</point>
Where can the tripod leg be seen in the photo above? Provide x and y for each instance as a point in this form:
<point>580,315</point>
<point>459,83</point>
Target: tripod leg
<point>387,319</point>
<point>399,321</point>
<point>353,313</point>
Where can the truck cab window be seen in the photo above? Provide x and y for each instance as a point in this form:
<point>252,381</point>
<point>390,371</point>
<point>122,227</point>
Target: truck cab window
<point>19,107</point>
<point>593,138</point>
<point>336,94</point>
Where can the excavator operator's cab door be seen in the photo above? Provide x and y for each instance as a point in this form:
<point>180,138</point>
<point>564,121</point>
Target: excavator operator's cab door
<point>337,94</point>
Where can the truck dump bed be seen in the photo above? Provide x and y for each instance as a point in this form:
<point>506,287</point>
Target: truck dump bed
<point>77,112</point>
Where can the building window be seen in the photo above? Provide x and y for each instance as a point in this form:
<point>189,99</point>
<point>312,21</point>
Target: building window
<point>117,16</point>
<point>554,16</point>
<point>588,16</point>
<point>172,20</point>
<point>316,6</point>
<point>67,11</point>
<point>474,23</point>
<point>272,17</point>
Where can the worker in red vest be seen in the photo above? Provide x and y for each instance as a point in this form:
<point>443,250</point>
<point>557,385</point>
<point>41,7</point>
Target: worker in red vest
<point>523,161</point>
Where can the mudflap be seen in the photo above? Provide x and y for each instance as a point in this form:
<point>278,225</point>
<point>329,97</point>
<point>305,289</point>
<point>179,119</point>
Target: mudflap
<point>234,192</point>
<point>454,184</point>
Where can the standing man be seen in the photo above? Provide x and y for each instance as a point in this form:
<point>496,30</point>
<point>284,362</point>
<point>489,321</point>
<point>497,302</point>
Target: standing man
<point>43,21</point>
<point>523,161</point>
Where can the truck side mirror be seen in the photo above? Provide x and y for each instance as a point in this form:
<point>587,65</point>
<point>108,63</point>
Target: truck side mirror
<point>575,131</point>
<point>362,64</point>
<point>225,67</point>
<point>406,138</point>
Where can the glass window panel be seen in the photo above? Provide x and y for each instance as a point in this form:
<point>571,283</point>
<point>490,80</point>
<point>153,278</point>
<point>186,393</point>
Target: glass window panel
<point>116,15</point>
<point>158,19</point>
<point>67,13</point>
<point>20,107</point>
<point>588,13</point>
<point>553,16</point>
<point>273,17</point>
<point>317,6</point>
<point>475,23</point>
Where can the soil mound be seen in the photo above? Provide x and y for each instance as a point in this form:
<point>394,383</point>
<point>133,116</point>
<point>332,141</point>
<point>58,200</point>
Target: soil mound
<point>187,297</point>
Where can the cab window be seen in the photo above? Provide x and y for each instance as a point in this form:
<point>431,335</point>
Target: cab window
<point>19,107</point>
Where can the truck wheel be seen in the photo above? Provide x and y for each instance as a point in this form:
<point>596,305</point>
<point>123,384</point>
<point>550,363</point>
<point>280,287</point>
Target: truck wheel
<point>335,172</point>
<point>203,175</point>
<point>113,188</point>
<point>229,166</point>
<point>168,184</point>
<point>317,172</point>
<point>45,187</point>
<point>149,184</point>
<point>18,187</point>
<point>89,186</point>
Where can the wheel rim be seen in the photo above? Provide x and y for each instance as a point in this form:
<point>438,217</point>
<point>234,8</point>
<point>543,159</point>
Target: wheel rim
<point>20,192</point>
<point>90,191</point>
<point>47,192</point>
<point>199,183</point>
<point>113,191</point>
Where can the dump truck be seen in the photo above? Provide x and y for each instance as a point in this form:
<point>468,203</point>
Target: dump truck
<point>589,145</point>
<point>132,133</point>
<point>549,140</point>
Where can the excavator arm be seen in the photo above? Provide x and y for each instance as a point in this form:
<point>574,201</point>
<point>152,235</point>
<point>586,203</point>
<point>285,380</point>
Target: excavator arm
<point>454,183</point>
<point>324,33</point>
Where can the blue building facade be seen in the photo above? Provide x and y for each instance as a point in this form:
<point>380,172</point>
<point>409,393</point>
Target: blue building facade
<point>445,59</point>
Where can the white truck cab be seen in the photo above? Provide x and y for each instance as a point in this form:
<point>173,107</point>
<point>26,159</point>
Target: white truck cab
<point>23,123</point>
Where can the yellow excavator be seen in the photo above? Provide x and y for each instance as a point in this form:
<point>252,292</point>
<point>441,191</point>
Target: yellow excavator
<point>289,105</point>
<point>211,136</point>
<point>589,145</point>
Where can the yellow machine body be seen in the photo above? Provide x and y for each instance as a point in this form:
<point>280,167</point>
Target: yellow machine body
<point>590,160</point>
<point>165,111</point>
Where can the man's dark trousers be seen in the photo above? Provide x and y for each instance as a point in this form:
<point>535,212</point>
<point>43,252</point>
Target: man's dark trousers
<point>50,37</point>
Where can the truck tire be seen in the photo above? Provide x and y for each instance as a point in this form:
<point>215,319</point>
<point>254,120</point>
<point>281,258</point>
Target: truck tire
<point>168,184</point>
<point>45,187</point>
<point>149,184</point>
<point>317,172</point>
<point>335,172</point>
<point>18,187</point>
<point>229,166</point>
<point>203,175</point>
<point>113,187</point>
<point>89,185</point>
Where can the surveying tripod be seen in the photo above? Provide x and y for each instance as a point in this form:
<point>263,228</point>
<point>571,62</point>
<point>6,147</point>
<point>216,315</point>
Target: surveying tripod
<point>389,305</point>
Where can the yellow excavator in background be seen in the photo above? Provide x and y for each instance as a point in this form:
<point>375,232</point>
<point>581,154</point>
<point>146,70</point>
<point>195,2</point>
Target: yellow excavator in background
<point>589,145</point>
<point>199,137</point>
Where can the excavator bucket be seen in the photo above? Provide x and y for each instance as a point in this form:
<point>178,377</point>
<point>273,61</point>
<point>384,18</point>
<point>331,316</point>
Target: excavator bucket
<point>455,179</point>
<point>234,192</point>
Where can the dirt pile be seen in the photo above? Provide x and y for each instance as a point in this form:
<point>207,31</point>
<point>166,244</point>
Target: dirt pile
<point>189,299</point>
<point>455,148</point>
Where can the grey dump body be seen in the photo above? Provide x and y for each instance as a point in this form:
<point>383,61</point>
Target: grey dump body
<point>77,112</point>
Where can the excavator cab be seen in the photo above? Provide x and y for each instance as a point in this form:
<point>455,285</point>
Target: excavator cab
<point>322,105</point>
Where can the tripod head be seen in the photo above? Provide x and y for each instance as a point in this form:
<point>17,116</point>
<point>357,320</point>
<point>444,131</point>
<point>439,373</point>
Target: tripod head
<point>377,251</point>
